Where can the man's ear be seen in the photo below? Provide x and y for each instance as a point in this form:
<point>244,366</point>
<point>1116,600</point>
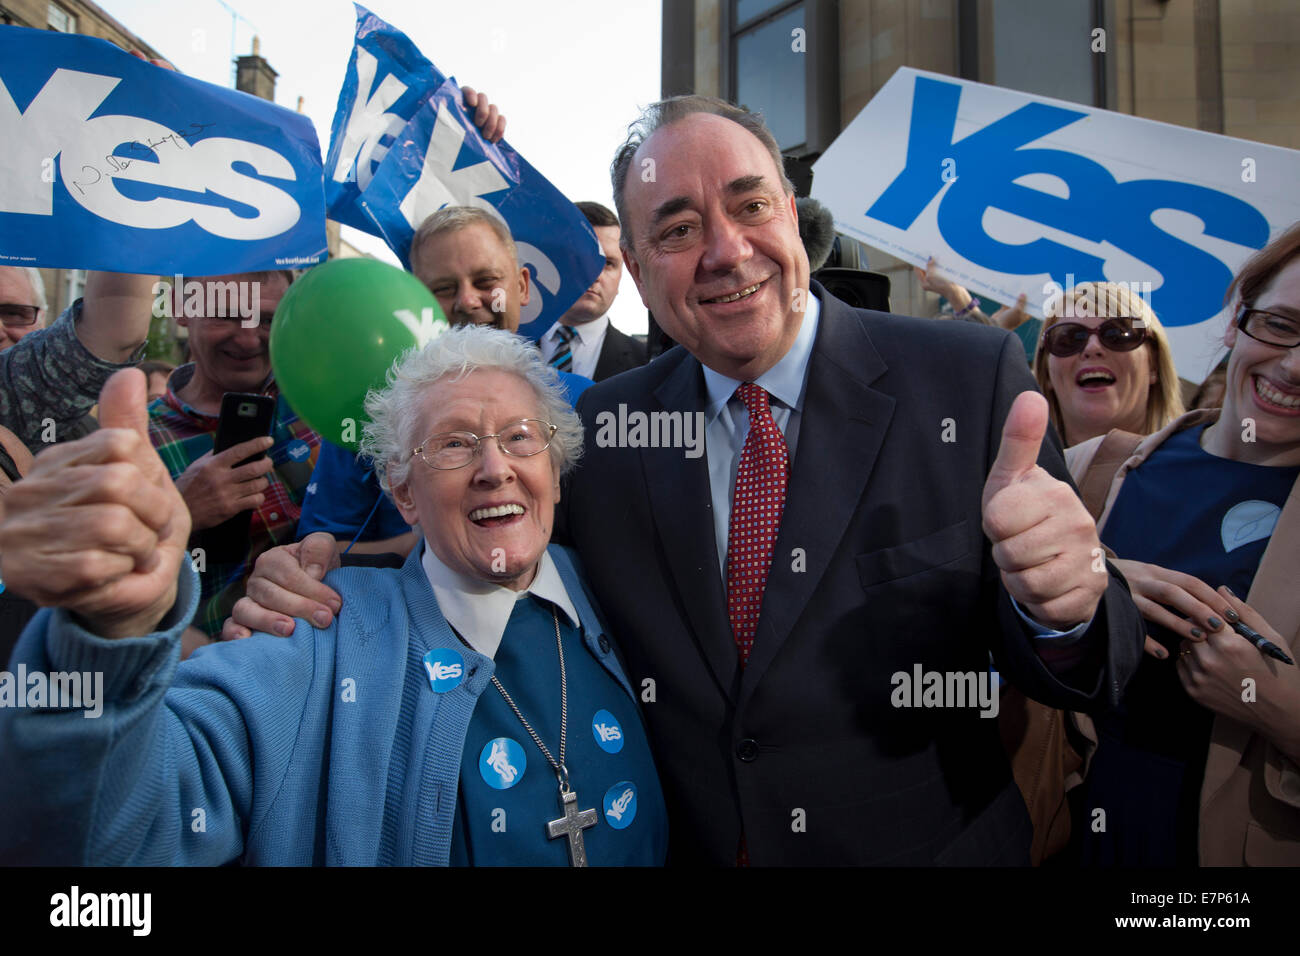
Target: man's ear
<point>523,286</point>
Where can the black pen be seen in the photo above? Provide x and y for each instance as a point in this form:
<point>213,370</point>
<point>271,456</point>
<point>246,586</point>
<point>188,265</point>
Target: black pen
<point>1260,641</point>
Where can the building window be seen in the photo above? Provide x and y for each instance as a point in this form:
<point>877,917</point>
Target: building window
<point>770,74</point>
<point>767,67</point>
<point>1047,49</point>
<point>61,20</point>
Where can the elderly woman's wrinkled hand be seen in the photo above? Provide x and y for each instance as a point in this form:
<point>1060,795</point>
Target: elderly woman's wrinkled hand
<point>97,526</point>
<point>285,584</point>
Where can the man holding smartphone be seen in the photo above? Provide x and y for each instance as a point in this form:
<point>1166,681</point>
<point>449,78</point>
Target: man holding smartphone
<point>230,353</point>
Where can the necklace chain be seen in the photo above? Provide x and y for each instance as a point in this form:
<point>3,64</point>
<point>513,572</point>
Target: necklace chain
<point>558,766</point>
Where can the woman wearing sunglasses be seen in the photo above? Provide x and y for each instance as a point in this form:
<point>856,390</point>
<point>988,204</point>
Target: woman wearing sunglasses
<point>1201,762</point>
<point>1104,362</point>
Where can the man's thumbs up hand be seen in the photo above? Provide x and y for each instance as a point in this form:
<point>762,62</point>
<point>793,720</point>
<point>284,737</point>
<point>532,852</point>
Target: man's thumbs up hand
<point>98,527</point>
<point>1043,538</point>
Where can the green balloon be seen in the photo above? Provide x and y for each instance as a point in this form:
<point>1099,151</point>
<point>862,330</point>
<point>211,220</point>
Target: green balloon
<point>336,333</point>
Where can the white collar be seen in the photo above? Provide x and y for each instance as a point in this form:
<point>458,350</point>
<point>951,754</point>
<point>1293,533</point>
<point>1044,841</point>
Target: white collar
<point>784,381</point>
<point>480,610</point>
<point>587,331</point>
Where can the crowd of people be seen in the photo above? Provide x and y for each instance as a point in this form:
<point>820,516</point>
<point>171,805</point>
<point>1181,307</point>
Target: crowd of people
<point>493,638</point>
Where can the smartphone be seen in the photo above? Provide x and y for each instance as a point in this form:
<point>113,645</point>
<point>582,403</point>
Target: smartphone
<point>243,417</point>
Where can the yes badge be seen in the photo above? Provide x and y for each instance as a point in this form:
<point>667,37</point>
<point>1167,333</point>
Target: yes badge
<point>620,805</point>
<point>502,763</point>
<point>608,733</point>
<point>446,669</point>
<point>298,450</point>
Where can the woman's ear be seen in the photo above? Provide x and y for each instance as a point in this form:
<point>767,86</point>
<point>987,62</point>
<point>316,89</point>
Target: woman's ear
<point>405,502</point>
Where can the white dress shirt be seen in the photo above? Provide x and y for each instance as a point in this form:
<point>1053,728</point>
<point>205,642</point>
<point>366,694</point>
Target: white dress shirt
<point>726,422</point>
<point>586,345</point>
<point>479,610</point>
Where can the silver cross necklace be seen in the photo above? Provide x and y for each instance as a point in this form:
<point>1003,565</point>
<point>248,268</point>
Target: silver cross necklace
<point>574,820</point>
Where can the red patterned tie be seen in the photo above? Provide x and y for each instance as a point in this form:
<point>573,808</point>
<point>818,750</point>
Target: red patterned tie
<point>761,479</point>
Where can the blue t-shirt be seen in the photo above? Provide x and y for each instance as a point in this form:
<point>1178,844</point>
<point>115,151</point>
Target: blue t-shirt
<point>343,491</point>
<point>508,791</point>
<point>1186,510</point>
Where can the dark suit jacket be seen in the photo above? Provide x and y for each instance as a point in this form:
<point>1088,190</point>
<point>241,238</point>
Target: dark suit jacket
<point>881,564</point>
<point>618,353</point>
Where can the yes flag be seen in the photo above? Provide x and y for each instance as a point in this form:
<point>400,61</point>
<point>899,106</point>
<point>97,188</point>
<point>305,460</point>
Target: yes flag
<point>402,147</point>
<point>417,178</point>
<point>113,163</point>
<point>386,81</point>
<point>1014,192</point>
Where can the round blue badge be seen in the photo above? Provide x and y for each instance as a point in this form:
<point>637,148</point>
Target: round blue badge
<point>620,805</point>
<point>445,667</point>
<point>609,735</point>
<point>502,763</point>
<point>298,450</point>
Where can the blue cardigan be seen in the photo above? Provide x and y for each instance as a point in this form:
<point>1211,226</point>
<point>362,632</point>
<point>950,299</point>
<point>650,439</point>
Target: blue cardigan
<point>325,747</point>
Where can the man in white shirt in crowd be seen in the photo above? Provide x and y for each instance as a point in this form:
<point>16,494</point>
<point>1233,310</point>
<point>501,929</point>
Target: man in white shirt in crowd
<point>584,341</point>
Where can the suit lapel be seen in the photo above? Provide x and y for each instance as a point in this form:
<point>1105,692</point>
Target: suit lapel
<point>682,507</point>
<point>841,429</point>
<point>606,357</point>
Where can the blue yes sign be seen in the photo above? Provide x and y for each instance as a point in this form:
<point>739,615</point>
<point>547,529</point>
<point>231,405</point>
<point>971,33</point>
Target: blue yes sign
<point>402,147</point>
<point>1015,193</point>
<point>987,164</point>
<point>113,163</point>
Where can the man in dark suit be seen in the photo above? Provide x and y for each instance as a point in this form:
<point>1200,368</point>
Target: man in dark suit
<point>783,600</point>
<point>583,341</point>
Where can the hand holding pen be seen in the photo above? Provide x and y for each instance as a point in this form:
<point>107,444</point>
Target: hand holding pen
<point>1249,633</point>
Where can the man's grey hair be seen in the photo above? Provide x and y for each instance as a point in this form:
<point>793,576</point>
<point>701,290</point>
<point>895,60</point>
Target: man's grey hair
<point>395,412</point>
<point>455,218</point>
<point>666,112</point>
<point>37,282</point>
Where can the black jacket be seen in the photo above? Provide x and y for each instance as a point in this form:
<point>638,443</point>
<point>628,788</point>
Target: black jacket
<point>880,564</point>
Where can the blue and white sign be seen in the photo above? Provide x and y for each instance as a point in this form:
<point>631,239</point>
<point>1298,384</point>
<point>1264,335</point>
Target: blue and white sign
<point>113,163</point>
<point>502,763</point>
<point>605,728</point>
<point>386,81</point>
<point>445,667</point>
<point>620,805</point>
<point>402,147</point>
<point>1013,192</point>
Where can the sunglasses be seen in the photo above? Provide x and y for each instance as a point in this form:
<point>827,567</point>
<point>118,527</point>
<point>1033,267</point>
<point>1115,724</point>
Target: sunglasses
<point>1070,338</point>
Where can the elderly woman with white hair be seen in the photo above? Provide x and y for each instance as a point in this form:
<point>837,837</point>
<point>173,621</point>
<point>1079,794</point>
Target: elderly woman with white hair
<point>469,709</point>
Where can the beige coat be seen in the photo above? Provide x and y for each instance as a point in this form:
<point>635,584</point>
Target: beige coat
<point>1250,800</point>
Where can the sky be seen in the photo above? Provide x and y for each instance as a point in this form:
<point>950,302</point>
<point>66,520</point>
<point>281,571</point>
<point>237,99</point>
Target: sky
<point>569,76</point>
